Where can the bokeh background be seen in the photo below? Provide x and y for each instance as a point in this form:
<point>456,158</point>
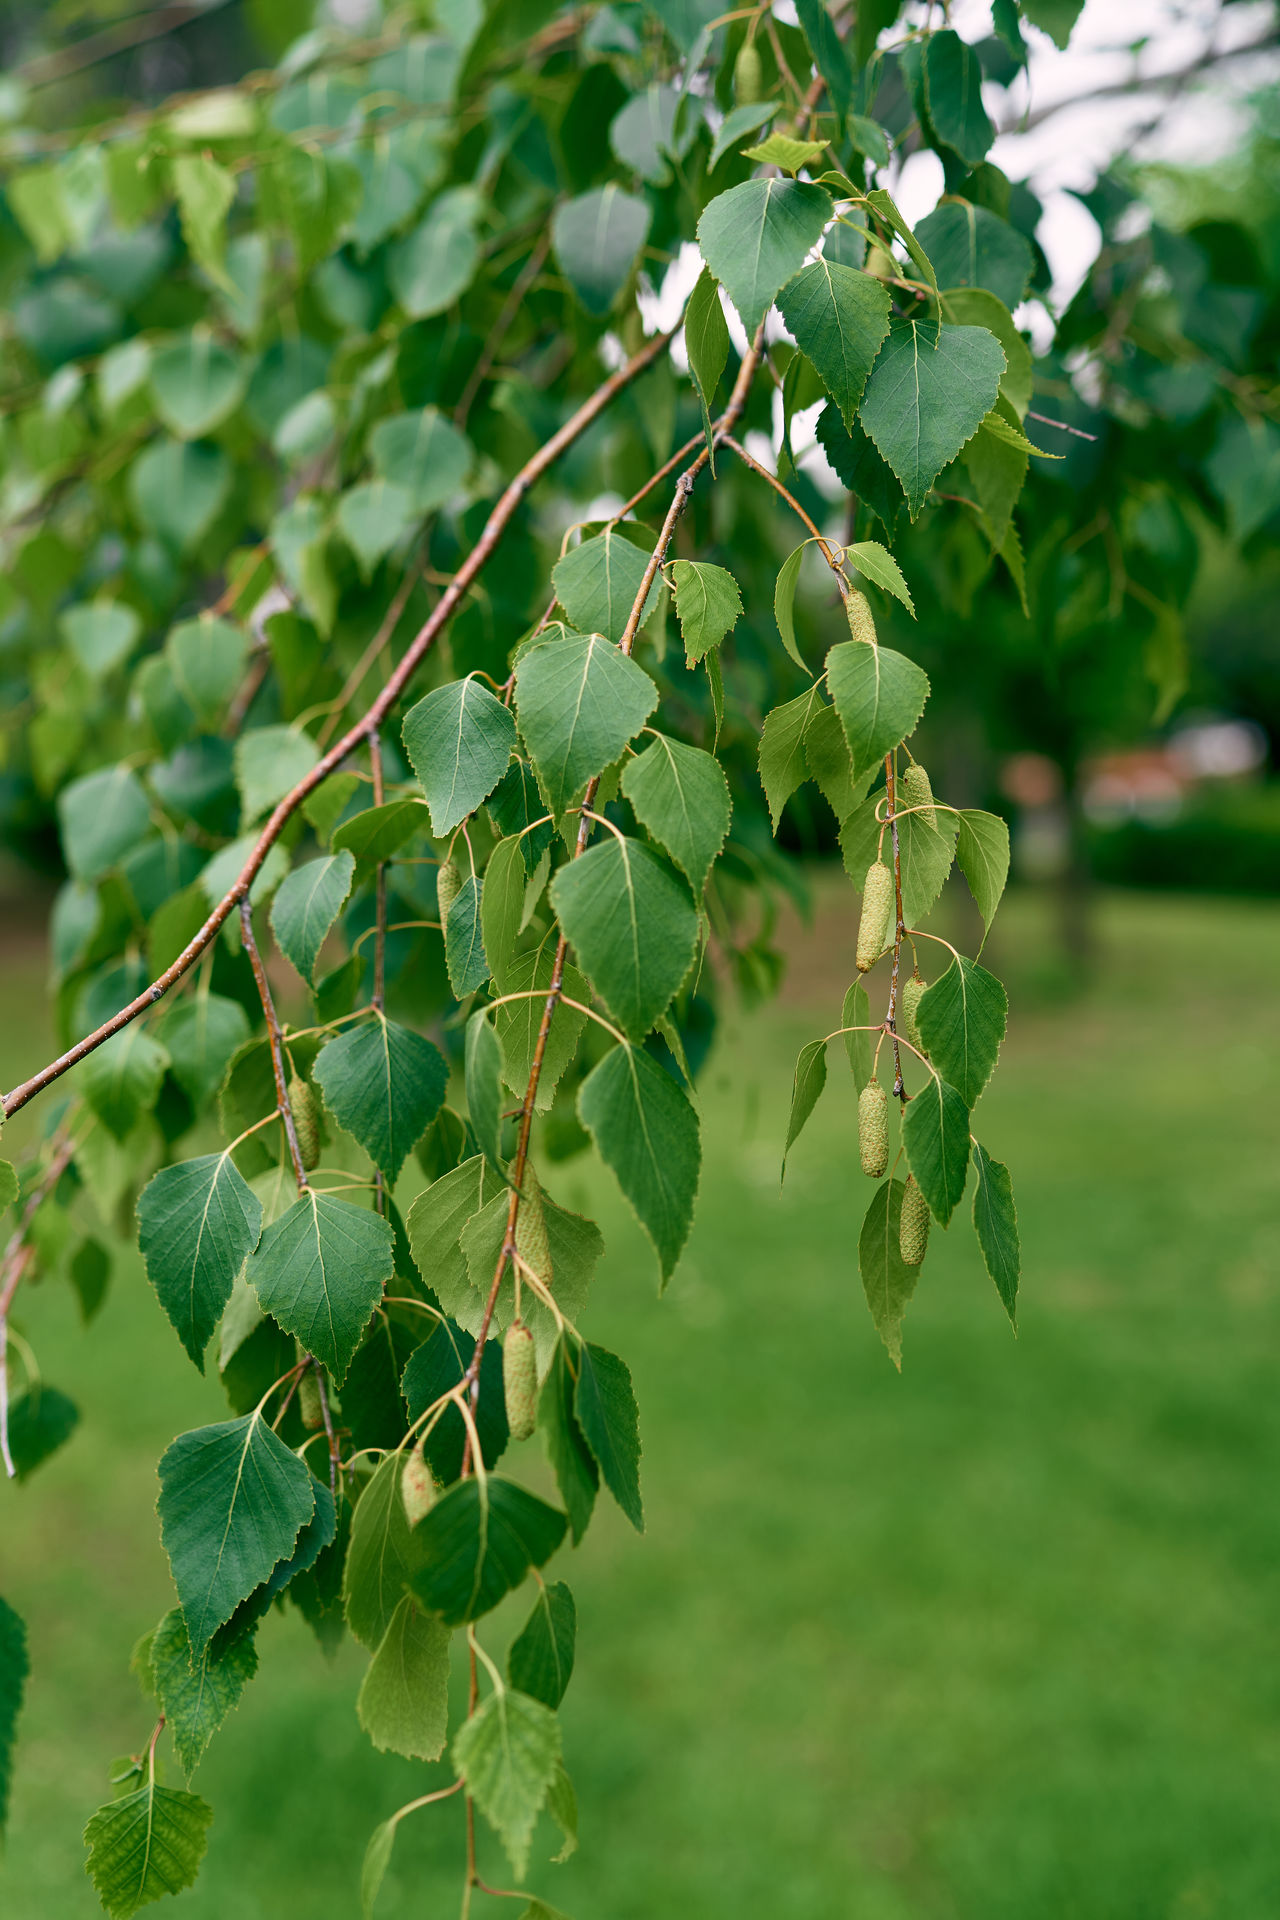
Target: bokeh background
<point>990,1640</point>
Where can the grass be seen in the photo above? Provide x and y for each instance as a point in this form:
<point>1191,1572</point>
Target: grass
<point>992,1640</point>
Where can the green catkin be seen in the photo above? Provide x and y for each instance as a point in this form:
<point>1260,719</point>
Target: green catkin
<point>912,993</point>
<point>310,1405</point>
<point>531,1229</point>
<point>520,1380</point>
<point>877,910</point>
<point>913,1227</point>
<point>448,887</point>
<point>873,1129</point>
<point>306,1120</point>
<point>914,790</point>
<point>417,1488</point>
<point>748,75</point>
<point>862,625</point>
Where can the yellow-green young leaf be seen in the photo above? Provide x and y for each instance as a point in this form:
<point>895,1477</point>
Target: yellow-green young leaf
<point>540,1661</point>
<point>200,1035</point>
<point>269,761</point>
<point>403,1704</point>
<point>233,1501</point>
<point>604,1405</point>
<point>196,383</point>
<point>385,1084</point>
<point>204,192</point>
<point>839,317</point>
<point>708,604</point>
<point>377,1858</point>
<point>810,1079</point>
<point>995,1221</point>
<point>706,341</point>
<point>973,247</point>
<point>121,1079</point>
<point>101,817</point>
<point>935,1133</point>
<point>962,1020</point>
<point>878,565</point>
<point>14,1668</point>
<point>507,1754</point>
<point>646,1132</point>
<point>783,761</point>
<point>562,1805</point>
<point>197,1692</point>
<point>780,151</point>
<point>478,1542</point>
<point>424,454</point>
<point>953,93</point>
<point>929,392</point>
<point>8,1184</point>
<point>879,696</point>
<point>320,1271</point>
<point>196,1223</point>
<point>755,237</point>
<point>681,797</point>
<point>100,633</point>
<point>982,854</point>
<point>597,583</point>
<point>459,740</point>
<point>146,1845</point>
<point>579,702</point>
<point>379,1557</point>
<point>437,1218</point>
<point>887,1280</point>
<point>633,927</point>
<point>306,908</point>
<point>597,238</point>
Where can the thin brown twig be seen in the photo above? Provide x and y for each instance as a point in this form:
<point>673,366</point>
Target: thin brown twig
<point>899,928</point>
<point>386,627</point>
<point>125,34</point>
<point>275,1040</point>
<point>439,617</point>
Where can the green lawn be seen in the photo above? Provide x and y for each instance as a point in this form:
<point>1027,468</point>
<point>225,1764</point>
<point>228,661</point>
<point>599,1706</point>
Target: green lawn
<point>994,1640</point>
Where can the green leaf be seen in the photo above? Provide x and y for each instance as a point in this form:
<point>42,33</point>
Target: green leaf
<point>507,1753</point>
<point>887,1280</point>
<point>998,473</point>
<point>597,583</point>
<point>269,762</point>
<point>196,384</point>
<point>779,150</point>
<point>440,1364</point>
<point>208,659</point>
<point>708,605</point>
<point>478,1542</point>
<point>632,926</point>
<point>881,204</point>
<point>540,1661</point>
<point>973,247</point>
<point>178,490</point>
<point>121,1079</point>
<point>737,124</point>
<point>784,599</point>
<point>925,854</point>
<point>783,765</point>
<point>646,1132</point>
<point>306,908</point>
<point>464,952</point>
<point>995,1221</point>
<point>15,1666</point>
<point>962,1020</point>
<point>869,138</point>
<point>858,466</point>
<point>459,740</point>
<point>953,93</point>
<point>40,1421</point>
<point>371,518</point>
<point>876,564</point>
<point>233,1500</point>
<point>8,1185</point>
<point>572,1461</point>
<point>597,239</point>
<point>100,633</point>
<point>425,454</point>
<point>879,696</point>
<point>1054,17</point>
<point>935,1133</point>
<point>826,752</point>
<point>517,805</point>
<point>200,1035</point>
<point>502,907</point>
<point>197,1221</point>
<point>643,133</point>
<point>380,1557</point>
<point>204,192</point>
<point>146,1845</point>
<point>810,1079</point>
<point>101,817</point>
<point>518,1022</point>
<point>385,1084</point>
<point>580,701</point>
<point>375,833</point>
<point>483,1069</point>
<point>755,237</point>
<point>403,1703</point>
<point>706,341</point>
<point>982,853</point>
<point>681,797</point>
<point>856,1012</point>
<point>829,54</point>
<point>839,318</point>
<point>435,263</point>
<point>437,1218</point>
<point>197,1694</point>
<point>320,1271</point>
<point>604,1404</point>
<point>929,392</point>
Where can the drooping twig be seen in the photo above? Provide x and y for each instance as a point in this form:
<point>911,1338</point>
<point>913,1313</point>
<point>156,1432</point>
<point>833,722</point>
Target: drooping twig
<point>899,927</point>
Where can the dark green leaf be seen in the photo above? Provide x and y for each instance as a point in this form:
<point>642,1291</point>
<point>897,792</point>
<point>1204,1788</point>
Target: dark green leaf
<point>605,1406</point>
<point>540,1660</point>
<point>439,1364</point>
<point>839,317</point>
<point>121,1079</point>
<point>580,701</point>
<point>459,739</point>
<point>596,240</point>
<point>597,583</point>
<point>146,1845</point>
<point>200,1035</point>
<point>828,50</point>
<point>879,696</point>
<point>810,1079</point>
<point>886,1279</point>
<point>196,1693</point>
<point>860,1047</point>
<point>424,454</point>
<point>982,853</point>
<point>755,237</point>
<point>995,1221</point>
<point>929,392</point>
<point>464,951</point>
<point>320,1271</point>
<point>40,1421</point>
<point>14,1668</point>
<point>385,1084</point>
<point>962,1021</point>
<point>632,926</point>
<point>197,1222</point>
<point>502,908</point>
<point>380,1556</point>
<point>647,1133</point>
<point>706,341</point>
<point>435,263</point>
<point>378,832</point>
<point>478,1542</point>
<point>102,816</point>
<point>783,765</point>
<point>681,797</point>
<point>880,567</point>
<point>708,605</point>
<point>572,1460</point>
<point>935,1133</point>
<point>484,1086</point>
<point>784,600</point>
<point>972,247</point>
<point>953,92</point>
